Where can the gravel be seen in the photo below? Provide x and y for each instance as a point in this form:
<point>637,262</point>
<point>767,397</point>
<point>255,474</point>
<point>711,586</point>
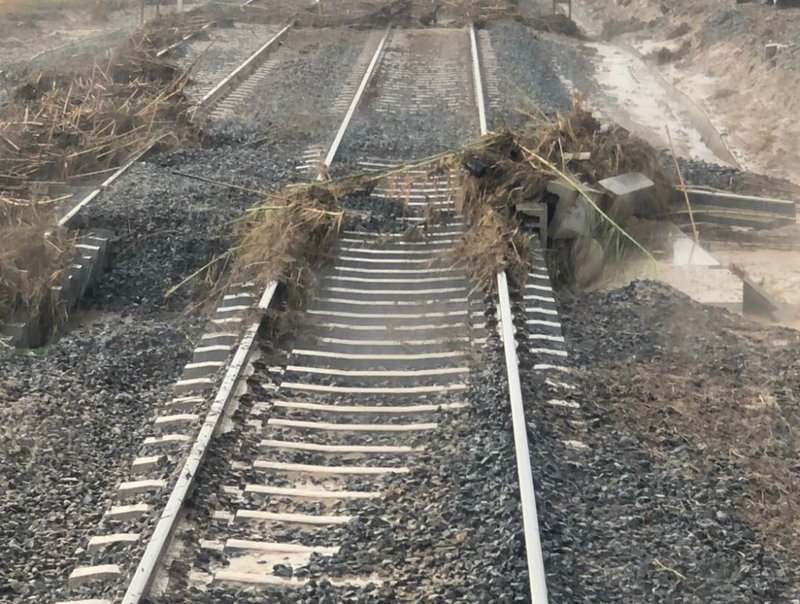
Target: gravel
<point>530,65</point>
<point>418,103</point>
<point>73,418</point>
<point>167,225</point>
<point>214,54</point>
<point>654,509</point>
<point>461,542</point>
<point>311,72</point>
<point>629,518</point>
<point>731,179</point>
<point>80,408</point>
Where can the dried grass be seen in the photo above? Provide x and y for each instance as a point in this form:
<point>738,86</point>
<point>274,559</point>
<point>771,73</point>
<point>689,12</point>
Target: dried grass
<point>287,239</point>
<point>520,164</point>
<point>494,240</point>
<point>60,128</point>
<point>33,252</point>
<point>408,14</point>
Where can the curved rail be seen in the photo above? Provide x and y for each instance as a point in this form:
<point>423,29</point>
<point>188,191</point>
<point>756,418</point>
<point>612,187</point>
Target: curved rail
<point>530,520</point>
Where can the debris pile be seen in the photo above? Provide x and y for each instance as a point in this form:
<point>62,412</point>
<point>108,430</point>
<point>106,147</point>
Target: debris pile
<point>32,254</point>
<point>66,127</point>
<point>63,129</point>
<point>409,14</point>
<point>598,175</point>
<point>594,184</point>
<point>286,239</point>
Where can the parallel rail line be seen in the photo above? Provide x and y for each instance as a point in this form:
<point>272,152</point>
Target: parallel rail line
<point>421,352</point>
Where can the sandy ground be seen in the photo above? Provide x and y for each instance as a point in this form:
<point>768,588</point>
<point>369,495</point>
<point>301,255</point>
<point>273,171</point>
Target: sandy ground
<point>709,273</point>
<point>643,104</point>
<point>777,271</point>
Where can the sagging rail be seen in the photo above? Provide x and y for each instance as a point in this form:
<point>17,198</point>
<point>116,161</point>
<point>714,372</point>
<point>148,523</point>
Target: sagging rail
<point>367,264</point>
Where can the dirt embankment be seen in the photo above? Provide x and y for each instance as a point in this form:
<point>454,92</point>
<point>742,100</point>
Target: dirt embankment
<point>715,51</point>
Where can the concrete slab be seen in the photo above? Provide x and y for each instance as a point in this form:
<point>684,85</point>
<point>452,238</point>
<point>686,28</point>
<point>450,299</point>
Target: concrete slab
<point>626,184</point>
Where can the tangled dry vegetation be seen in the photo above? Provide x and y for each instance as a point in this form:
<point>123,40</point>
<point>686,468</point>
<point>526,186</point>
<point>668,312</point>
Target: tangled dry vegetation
<point>398,13</point>
<point>285,238</point>
<point>516,166</point>
<point>289,236</point>
<point>59,129</point>
<point>408,14</point>
<point>31,256</point>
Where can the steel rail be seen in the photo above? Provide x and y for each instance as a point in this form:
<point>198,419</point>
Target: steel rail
<point>184,39</point>
<point>530,519</point>
<point>476,77</point>
<point>220,90</point>
<point>147,569</point>
<point>242,71</point>
<point>356,99</point>
<point>170,516</point>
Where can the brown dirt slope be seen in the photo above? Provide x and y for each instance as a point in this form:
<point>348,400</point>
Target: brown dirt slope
<point>714,50</point>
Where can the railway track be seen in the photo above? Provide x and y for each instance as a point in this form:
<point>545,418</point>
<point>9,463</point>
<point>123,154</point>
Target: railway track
<point>325,434</point>
<point>228,76</point>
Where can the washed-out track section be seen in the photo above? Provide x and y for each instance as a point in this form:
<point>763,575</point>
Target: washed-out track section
<point>104,568</point>
<point>384,357</point>
<point>385,352</point>
<point>105,565</point>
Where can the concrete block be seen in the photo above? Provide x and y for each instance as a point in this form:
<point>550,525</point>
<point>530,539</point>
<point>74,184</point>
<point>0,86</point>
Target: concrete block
<point>195,386</point>
<point>168,422</point>
<point>184,403</point>
<point>573,215</point>
<point>235,310</point>
<point>142,465</point>
<point>167,440</point>
<point>98,542</point>
<point>537,214</point>
<point>137,487</point>
<point>572,219</point>
<point>631,195</point>
<point>587,258</point>
<point>771,54</point>
<point>756,301</point>
<point>199,370</point>
<point>626,184</point>
<point>218,353</point>
<point>121,513</point>
<point>220,338</point>
<point>564,190</point>
<point>89,574</point>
